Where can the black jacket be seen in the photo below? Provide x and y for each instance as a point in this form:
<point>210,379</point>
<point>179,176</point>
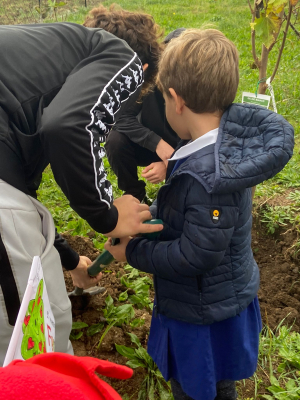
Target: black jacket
<point>62,87</point>
<point>145,122</point>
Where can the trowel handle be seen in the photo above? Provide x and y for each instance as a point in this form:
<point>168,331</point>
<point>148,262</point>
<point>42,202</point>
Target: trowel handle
<point>106,258</point>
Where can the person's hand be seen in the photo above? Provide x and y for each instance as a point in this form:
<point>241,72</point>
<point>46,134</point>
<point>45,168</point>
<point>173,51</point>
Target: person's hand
<point>132,214</point>
<point>155,172</point>
<point>164,151</point>
<point>119,250</point>
<point>80,275</point>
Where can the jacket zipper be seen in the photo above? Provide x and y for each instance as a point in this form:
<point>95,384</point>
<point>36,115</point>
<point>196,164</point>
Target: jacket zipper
<point>199,284</point>
<point>156,297</point>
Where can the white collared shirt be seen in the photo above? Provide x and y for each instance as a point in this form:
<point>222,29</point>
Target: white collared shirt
<point>195,145</point>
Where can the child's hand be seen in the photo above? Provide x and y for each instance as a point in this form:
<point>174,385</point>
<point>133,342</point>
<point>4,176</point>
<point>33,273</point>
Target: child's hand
<point>119,250</point>
<point>80,275</point>
<point>155,172</point>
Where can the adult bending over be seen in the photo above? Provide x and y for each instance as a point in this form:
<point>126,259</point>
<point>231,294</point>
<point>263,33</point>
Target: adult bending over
<point>142,136</point>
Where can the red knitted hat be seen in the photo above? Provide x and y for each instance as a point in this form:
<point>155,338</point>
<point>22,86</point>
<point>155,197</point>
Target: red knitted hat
<point>60,376</point>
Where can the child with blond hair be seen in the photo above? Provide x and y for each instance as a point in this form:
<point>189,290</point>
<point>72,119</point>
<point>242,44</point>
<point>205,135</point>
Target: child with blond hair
<point>206,321</point>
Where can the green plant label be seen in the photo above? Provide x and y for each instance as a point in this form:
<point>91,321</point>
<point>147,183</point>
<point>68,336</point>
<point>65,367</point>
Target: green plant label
<point>261,99</point>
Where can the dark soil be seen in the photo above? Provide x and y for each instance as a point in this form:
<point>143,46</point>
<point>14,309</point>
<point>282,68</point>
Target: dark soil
<point>279,297</point>
<point>88,309</point>
<point>279,293</point>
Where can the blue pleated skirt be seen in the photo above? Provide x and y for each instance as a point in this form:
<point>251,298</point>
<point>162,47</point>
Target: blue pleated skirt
<point>199,356</point>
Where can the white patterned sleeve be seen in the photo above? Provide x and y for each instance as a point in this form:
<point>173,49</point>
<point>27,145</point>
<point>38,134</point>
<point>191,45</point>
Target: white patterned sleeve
<point>76,123</point>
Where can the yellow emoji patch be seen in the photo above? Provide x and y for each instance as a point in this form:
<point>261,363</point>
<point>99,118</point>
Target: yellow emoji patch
<point>215,215</point>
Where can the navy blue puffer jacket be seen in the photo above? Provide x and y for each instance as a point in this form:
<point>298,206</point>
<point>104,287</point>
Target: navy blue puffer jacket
<point>203,267</point>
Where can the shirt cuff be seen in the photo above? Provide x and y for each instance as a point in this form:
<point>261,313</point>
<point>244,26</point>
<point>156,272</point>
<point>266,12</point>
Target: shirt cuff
<point>106,221</point>
<point>69,259</point>
<point>151,142</point>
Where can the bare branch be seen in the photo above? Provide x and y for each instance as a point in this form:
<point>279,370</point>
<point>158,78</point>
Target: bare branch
<point>295,30</point>
<point>254,55</point>
<point>251,9</point>
<point>293,27</point>
<point>283,41</point>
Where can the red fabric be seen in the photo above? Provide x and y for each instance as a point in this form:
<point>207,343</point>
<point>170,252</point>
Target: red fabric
<point>60,376</point>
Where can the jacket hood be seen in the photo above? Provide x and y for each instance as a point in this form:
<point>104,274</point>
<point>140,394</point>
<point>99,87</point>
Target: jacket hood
<point>253,145</point>
<point>173,34</point>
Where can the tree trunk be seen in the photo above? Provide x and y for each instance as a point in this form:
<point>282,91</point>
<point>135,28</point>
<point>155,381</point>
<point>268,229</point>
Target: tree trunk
<point>263,70</point>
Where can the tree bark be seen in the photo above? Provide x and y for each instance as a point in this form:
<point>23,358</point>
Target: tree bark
<point>263,70</point>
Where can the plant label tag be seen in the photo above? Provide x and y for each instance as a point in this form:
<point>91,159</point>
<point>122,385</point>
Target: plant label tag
<point>261,99</point>
<point>34,331</point>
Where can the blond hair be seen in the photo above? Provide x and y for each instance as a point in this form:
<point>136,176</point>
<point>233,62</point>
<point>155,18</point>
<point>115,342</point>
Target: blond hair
<point>202,67</point>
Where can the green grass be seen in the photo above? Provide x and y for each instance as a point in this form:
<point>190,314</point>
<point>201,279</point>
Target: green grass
<point>280,360</point>
<point>26,11</point>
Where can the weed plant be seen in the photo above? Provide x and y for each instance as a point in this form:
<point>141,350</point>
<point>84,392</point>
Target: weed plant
<point>279,358</point>
<point>116,316</point>
<point>153,386</point>
<point>140,285</point>
<point>77,332</point>
<point>275,217</point>
<point>113,316</point>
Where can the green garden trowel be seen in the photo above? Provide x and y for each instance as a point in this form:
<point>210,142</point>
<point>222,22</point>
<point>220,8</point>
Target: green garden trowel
<point>105,259</point>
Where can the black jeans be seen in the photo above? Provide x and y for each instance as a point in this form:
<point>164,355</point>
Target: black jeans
<point>124,157</point>
<point>225,391</point>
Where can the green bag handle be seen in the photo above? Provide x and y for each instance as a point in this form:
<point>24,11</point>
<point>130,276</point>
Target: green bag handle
<point>106,257</point>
